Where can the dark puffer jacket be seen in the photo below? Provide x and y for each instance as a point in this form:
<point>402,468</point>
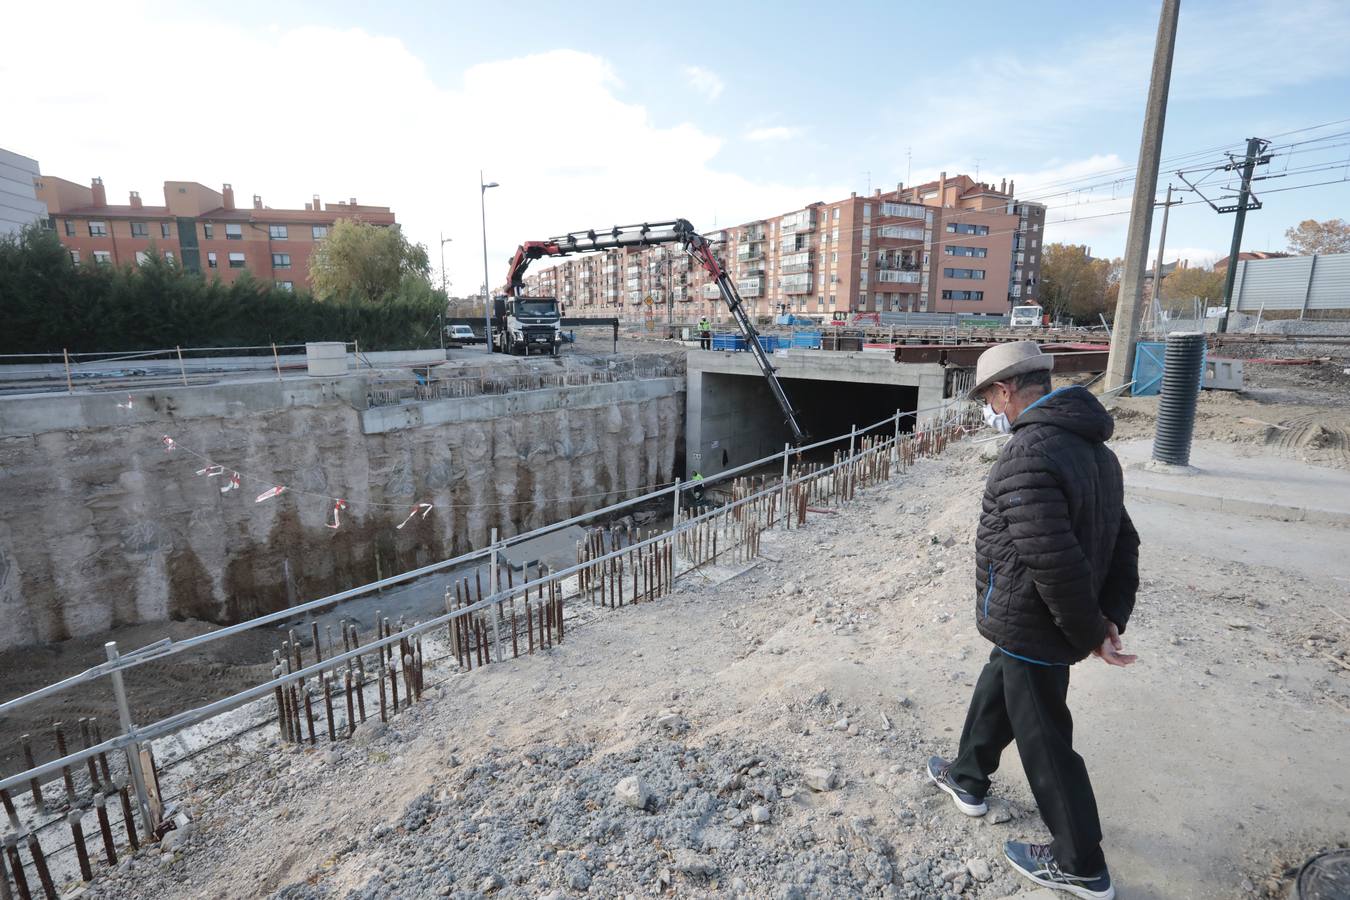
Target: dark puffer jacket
<point>1056,553</point>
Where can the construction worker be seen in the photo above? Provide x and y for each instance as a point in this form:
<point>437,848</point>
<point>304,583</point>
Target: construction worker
<point>705,333</point>
<point>696,490</point>
<point>1057,568</point>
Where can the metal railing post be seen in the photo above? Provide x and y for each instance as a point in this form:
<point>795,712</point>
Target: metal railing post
<point>784,499</point>
<point>496,618</point>
<point>895,443</point>
<point>133,751</point>
<point>675,505</point>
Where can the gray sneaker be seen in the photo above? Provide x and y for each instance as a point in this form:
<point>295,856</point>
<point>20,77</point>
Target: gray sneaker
<point>967,802</point>
<point>1037,862</point>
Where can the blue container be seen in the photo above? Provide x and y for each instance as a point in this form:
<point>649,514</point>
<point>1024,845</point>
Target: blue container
<point>807,339</point>
<point>768,342</point>
<point>728,342</point>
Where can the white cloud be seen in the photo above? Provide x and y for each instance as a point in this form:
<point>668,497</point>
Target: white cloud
<point>773,133</point>
<point>1197,257</point>
<point>384,131</point>
<point>705,81</point>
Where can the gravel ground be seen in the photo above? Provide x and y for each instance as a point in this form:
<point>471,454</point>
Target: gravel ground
<point>762,733</point>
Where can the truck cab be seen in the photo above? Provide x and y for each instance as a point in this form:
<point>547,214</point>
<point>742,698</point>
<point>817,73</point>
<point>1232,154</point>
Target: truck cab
<point>522,325</point>
<point>1026,317</point>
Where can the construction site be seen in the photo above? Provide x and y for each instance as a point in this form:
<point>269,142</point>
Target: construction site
<point>637,618</point>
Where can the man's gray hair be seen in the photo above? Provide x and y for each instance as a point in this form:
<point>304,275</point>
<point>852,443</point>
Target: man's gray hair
<point>1027,380</point>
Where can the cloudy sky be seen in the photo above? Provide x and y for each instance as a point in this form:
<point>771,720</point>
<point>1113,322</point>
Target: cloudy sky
<point>595,115</point>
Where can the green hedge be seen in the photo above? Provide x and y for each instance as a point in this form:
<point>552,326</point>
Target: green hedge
<point>48,303</point>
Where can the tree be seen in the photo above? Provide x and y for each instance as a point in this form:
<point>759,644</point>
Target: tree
<point>1311,236</point>
<point>1073,284</point>
<point>1185,285</point>
<point>367,262</point>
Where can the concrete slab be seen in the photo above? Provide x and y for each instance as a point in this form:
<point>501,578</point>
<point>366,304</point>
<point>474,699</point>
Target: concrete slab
<point>1233,479</point>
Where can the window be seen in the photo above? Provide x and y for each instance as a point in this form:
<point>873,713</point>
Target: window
<point>1033,243</point>
<point>234,232</point>
<point>834,257</point>
<point>236,260</point>
<point>1033,259</point>
<point>964,228</point>
<point>899,231</point>
<point>904,210</point>
<point>867,212</point>
<point>836,214</point>
<point>281,260</point>
<point>286,285</point>
<point>867,234</point>
<point>277,232</point>
<point>70,227</point>
<point>164,229</point>
<point>963,295</point>
<point>168,255</point>
<point>140,229</point>
<point>834,235</point>
<point>98,229</point>
<point>211,261</point>
<point>978,252</point>
<point>976,274</point>
<point>102,257</point>
<point>75,257</point>
<point>208,231</point>
<point>141,257</point>
<point>320,232</point>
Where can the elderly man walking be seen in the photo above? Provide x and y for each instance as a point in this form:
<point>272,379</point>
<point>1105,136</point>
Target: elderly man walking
<point>1057,570</point>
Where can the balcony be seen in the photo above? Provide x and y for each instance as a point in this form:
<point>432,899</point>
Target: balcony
<point>897,276</point>
<point>899,232</point>
<point>711,292</point>
<point>744,253</point>
<point>797,284</point>
<point>796,268</point>
<point>750,287</point>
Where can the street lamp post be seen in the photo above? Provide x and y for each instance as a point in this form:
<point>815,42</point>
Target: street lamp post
<point>487,285</point>
<point>444,284</point>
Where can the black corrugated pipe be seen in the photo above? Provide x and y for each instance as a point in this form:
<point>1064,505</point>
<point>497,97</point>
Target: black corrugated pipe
<point>1182,365</point>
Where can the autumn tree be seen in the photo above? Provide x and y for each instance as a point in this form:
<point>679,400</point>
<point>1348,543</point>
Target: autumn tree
<point>1311,236</point>
<point>368,262</point>
<point>1073,284</point>
<point>1184,285</point>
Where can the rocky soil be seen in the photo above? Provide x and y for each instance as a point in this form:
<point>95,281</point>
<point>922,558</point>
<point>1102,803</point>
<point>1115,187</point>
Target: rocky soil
<point>762,733</point>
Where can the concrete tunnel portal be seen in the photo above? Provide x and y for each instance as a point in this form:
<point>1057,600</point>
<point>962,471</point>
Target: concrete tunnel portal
<point>732,419</point>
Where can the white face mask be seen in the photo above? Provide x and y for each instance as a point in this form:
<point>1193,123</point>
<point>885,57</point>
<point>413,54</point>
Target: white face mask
<point>997,421</point>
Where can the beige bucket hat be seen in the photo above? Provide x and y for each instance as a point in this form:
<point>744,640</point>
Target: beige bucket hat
<point>1006,360</point>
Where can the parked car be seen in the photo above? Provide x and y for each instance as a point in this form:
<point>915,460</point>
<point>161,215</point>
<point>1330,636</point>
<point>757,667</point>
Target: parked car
<point>460,335</point>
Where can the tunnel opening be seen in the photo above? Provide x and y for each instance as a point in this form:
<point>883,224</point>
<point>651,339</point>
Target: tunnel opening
<point>829,408</point>
<point>739,421</point>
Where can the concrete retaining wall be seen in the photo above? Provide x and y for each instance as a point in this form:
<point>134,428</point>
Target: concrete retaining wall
<point>103,527</point>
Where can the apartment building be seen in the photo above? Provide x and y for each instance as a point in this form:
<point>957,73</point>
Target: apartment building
<point>19,205</point>
<point>951,245</point>
<point>199,227</point>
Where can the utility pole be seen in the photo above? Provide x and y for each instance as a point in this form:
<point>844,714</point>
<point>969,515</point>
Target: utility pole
<point>1162,243</point>
<point>1255,149</point>
<point>1126,331</point>
<point>487,284</point>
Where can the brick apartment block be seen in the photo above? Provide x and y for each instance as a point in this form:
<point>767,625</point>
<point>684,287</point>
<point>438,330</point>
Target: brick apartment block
<point>199,227</point>
<point>951,245</point>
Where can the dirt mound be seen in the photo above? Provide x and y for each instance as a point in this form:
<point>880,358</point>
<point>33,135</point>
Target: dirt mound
<point>1321,437</point>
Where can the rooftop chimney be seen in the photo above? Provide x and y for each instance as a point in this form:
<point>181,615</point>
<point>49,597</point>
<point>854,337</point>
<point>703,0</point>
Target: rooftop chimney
<point>942,189</point>
<point>136,200</point>
<point>257,201</point>
<point>853,195</point>
<point>317,205</point>
<point>877,193</point>
<point>227,196</point>
<point>308,206</point>
<point>353,201</point>
<point>1010,187</point>
<point>1003,186</point>
<point>100,195</point>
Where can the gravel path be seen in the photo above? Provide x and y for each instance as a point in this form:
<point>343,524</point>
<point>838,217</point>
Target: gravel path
<point>763,734</point>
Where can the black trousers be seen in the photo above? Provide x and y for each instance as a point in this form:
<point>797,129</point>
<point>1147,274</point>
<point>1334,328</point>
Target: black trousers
<point>1025,702</point>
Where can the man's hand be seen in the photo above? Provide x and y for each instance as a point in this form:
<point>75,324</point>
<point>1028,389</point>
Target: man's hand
<point>1110,650</point>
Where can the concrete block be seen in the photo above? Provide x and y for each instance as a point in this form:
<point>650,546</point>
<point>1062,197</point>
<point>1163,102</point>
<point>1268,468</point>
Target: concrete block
<point>326,358</point>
